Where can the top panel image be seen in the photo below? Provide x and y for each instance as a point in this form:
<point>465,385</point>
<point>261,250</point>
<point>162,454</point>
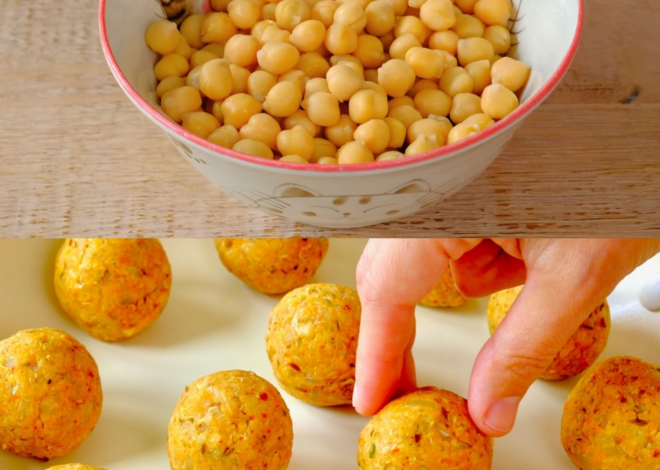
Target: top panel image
<point>383,118</point>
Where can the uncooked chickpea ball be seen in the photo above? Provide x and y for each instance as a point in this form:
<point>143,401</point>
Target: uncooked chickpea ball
<point>272,265</point>
<point>444,294</point>
<point>249,70</point>
<point>230,420</point>
<point>50,394</point>
<point>112,288</point>
<point>312,343</point>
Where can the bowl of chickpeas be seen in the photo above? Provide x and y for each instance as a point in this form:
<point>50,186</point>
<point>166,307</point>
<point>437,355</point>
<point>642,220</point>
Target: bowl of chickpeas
<point>339,113</point>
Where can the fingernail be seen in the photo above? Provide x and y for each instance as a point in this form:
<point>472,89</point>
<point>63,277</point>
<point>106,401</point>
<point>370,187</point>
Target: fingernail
<point>502,414</point>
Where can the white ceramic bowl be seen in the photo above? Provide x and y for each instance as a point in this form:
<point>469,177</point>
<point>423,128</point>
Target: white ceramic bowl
<point>342,196</point>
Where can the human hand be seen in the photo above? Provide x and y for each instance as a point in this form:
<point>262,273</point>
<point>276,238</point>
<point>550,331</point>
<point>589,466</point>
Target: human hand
<point>565,279</point>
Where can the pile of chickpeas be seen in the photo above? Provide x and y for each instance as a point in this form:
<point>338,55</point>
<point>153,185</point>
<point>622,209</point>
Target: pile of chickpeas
<point>338,81</point>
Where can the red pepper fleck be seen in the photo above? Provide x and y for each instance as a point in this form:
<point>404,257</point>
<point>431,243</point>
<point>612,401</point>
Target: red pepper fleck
<point>264,415</point>
<point>656,453</point>
<point>294,366</point>
<point>263,396</point>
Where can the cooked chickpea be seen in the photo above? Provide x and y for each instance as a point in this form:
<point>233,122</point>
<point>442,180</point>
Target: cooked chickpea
<point>468,26</point>
<point>410,25</point>
<point>438,15</point>
<point>323,148</point>
<point>278,57</point>
<point>425,63</point>
<point>308,36</point>
<point>445,41</point>
<point>341,39</point>
<point>171,65</point>
<point>258,29</point>
<point>316,85</point>
<point>254,148</point>
<point>216,110</point>
<point>244,13</point>
<point>337,59</point>
<point>296,76</point>
<point>391,155</point>
<point>180,101</point>
<point>327,161</point>
<point>215,80</point>
<point>400,7</point>
<point>313,65</point>
<point>238,109</point>
<point>342,131</point>
<point>263,128</point>
<point>510,73</point>
<point>293,159</point>
<point>219,5</point>
<point>296,141</point>
<point>193,77</point>
<point>300,118</point>
<point>482,120</point>
<point>201,57</point>
<point>375,87</point>
<point>259,84</point>
<point>324,11</point>
<point>354,152</point>
<point>369,51</point>
<point>421,85</point>
<point>396,77</point>
<point>480,73</point>
<point>240,77</point>
<point>192,30</point>
<point>351,13</point>
<point>499,37</point>
<point>380,17</point>
<point>375,134</point>
<point>283,99</point>
<point>470,126</point>
<point>366,105</point>
<point>435,102</point>
<point>215,28</point>
<point>466,6</point>
<point>442,120</point>
<point>226,137</point>
<point>494,59</point>
<point>217,49</point>
<point>163,37</point>
<point>493,12</point>
<point>387,39</point>
<point>401,45</point>
<point>463,106</point>
<point>498,101</point>
<point>423,143</point>
<point>405,114</point>
<point>275,34</point>
<point>184,49</point>
<point>397,133</point>
<point>290,13</point>
<point>200,123</point>
<point>322,108</point>
<point>450,60</point>
<point>170,83</point>
<point>456,80</point>
<point>474,49</point>
<point>268,11</point>
<point>242,49</point>
<point>343,81</point>
<point>427,128</point>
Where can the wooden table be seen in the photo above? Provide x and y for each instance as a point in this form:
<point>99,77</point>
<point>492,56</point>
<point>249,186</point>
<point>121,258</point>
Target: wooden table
<point>78,159</point>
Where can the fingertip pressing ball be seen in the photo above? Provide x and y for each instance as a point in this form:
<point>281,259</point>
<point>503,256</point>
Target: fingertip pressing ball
<point>578,353</point>
<point>312,343</point>
<point>230,420</point>
<point>74,466</point>
<point>428,428</point>
<point>50,393</point>
<point>444,294</point>
<point>272,265</point>
<point>112,288</point>
<point>611,419</point>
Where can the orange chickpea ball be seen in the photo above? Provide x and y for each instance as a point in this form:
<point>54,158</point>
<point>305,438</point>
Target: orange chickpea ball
<point>238,109</point>
<point>474,49</point>
<point>254,148</point>
<point>308,35</point>
<point>343,81</point>
<point>435,102</point>
<point>171,65</point>
<point>456,80</point>
<point>244,13</point>
<point>480,73</point>
<point>354,152</point>
<point>351,13</point>
<point>510,73</point>
<point>216,80</point>
<point>498,101</point>
<point>342,132</point>
<point>240,77</point>
<point>391,155</point>
<point>296,76</point>
<point>268,11</point>
<point>163,37</point>
<point>463,106</point>
<point>445,41</point>
<point>296,141</point>
<point>405,114</point>
<point>192,30</point>
<point>216,28</point>
<point>404,100</point>
<point>438,15</point>
<point>200,123</point>
<point>184,49</point>
<point>315,85</point>
<point>380,17</point>
<point>180,101</point>
<point>322,108</point>
<point>323,148</point>
<point>468,26</point>
<point>170,83</point>
<point>290,13</point>
<point>301,118</point>
<point>324,11</point>
<point>226,136</point>
<point>258,29</point>
<point>466,6</point>
<point>217,49</point>
<point>421,85</point>
<point>219,5</point>
<point>428,128</point>
<point>425,62</point>
<point>493,12</point>
<point>216,110</point>
<point>259,84</point>
<point>499,37</point>
<point>469,127</point>
<point>410,25</point>
<point>327,161</point>
<point>442,120</point>
<point>397,133</point>
<point>396,77</point>
<point>263,128</point>
<point>283,99</point>
<point>375,134</point>
<point>274,33</point>
<point>293,159</point>
<point>401,45</point>
<point>201,57</point>
<point>341,39</point>
<point>313,65</point>
<point>242,49</point>
<point>369,51</point>
<point>366,105</point>
<point>423,144</point>
<point>278,57</point>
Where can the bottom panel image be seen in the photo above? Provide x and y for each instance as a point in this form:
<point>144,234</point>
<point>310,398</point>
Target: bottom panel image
<point>241,354</point>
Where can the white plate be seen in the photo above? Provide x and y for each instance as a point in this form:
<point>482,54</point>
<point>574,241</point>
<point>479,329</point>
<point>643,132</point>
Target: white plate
<point>215,322</point>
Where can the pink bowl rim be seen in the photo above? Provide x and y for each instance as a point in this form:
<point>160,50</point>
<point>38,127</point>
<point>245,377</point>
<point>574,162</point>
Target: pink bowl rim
<point>445,151</point>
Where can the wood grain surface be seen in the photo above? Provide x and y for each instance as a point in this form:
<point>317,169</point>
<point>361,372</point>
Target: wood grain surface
<point>78,159</point>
